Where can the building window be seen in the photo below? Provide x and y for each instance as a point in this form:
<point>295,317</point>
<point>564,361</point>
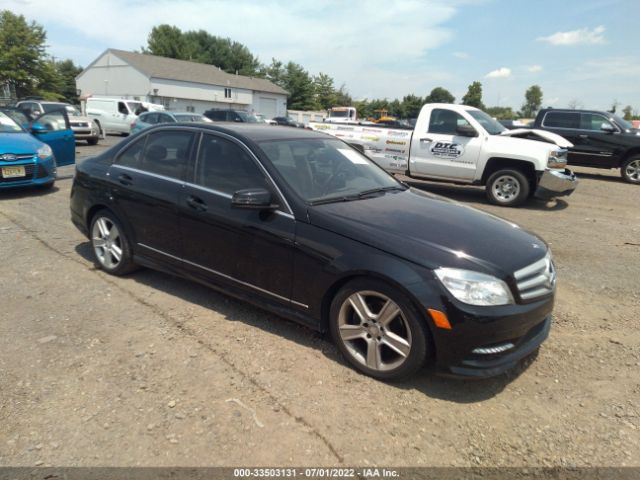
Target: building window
<point>190,108</point>
<point>227,93</point>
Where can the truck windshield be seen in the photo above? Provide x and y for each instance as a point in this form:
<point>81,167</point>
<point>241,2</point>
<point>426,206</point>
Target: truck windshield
<point>490,125</point>
<point>339,114</point>
<point>622,122</point>
<point>327,170</point>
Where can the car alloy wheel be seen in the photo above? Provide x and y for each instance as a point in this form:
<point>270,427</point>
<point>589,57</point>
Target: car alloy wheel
<point>107,244</point>
<point>631,171</point>
<point>374,331</point>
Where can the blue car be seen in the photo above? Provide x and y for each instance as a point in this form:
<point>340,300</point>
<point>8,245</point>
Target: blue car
<point>30,151</point>
<point>153,118</point>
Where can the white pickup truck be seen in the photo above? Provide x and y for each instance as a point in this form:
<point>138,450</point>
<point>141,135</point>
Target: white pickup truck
<point>461,144</point>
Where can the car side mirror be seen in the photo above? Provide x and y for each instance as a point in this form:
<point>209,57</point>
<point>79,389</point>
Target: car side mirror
<point>37,128</point>
<point>255,198</point>
<point>466,131</point>
<point>607,127</point>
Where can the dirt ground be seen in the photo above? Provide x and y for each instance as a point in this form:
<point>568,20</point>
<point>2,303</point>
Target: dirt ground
<point>154,370</point>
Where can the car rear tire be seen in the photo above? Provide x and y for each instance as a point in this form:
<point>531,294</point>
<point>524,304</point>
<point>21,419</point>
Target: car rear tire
<point>378,330</point>
<point>630,170</point>
<point>92,141</point>
<point>507,188</point>
<point>111,248</point>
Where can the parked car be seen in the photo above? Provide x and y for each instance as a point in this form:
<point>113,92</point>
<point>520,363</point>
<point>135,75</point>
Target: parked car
<point>84,128</point>
<point>461,144</point>
<point>147,119</point>
<point>114,115</point>
<point>600,139</point>
<point>302,224</point>
<point>30,157</point>
<point>262,119</point>
<point>287,122</point>
<point>223,115</point>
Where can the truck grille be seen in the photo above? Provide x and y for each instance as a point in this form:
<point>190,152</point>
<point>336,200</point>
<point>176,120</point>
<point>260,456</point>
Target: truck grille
<point>537,279</point>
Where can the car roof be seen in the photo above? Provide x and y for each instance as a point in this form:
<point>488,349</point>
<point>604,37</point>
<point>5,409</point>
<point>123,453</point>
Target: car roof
<point>255,132</point>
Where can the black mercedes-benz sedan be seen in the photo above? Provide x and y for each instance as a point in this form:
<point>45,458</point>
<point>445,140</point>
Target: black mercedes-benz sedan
<point>303,225</point>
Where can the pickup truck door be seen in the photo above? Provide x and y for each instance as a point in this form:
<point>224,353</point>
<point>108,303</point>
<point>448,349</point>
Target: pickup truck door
<point>440,151</point>
<point>53,129</point>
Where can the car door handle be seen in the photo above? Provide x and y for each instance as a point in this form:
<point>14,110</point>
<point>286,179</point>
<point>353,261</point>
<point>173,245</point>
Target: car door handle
<point>583,136</point>
<point>196,203</point>
<point>125,179</point>
<point>426,140</point>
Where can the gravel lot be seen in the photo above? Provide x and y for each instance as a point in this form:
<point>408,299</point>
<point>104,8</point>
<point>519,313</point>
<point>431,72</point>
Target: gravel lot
<point>155,370</point>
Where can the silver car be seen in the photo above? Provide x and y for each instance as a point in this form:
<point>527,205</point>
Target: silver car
<point>84,128</point>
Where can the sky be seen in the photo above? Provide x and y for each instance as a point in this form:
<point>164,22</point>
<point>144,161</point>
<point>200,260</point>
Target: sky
<point>581,52</point>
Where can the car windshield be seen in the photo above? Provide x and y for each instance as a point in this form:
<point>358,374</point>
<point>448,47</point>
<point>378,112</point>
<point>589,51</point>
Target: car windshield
<point>190,117</point>
<point>490,125</point>
<point>622,122</point>
<point>8,125</point>
<point>327,170</point>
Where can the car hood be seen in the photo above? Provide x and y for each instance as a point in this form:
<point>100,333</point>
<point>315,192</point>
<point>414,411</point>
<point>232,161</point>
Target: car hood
<point>81,118</point>
<point>539,135</point>
<point>432,231</point>
<point>18,143</point>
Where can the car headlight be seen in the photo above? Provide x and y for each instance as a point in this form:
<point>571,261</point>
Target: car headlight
<point>44,152</point>
<point>475,288</point>
<point>557,158</point>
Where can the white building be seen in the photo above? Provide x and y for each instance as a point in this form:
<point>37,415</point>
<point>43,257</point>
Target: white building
<point>179,85</point>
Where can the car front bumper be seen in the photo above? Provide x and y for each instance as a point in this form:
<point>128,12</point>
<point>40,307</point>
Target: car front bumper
<point>82,133</point>
<point>37,172</point>
<point>556,183</point>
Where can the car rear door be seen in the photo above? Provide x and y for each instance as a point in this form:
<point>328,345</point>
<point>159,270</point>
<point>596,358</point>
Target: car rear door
<point>53,128</point>
<point>235,246</point>
<point>147,182</point>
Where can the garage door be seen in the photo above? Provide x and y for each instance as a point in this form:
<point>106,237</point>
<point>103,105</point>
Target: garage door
<point>268,107</point>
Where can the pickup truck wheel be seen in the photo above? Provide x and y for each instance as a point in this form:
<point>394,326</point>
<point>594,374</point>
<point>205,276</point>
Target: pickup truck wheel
<point>508,188</point>
<point>378,330</point>
<point>630,170</point>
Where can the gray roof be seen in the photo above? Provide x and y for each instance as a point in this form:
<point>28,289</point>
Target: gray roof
<point>183,70</point>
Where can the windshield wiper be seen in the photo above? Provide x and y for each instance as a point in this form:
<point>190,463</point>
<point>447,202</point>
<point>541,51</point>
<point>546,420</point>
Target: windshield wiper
<point>356,196</point>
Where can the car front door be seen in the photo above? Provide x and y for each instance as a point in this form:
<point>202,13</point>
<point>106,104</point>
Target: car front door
<point>53,128</point>
<point>147,181</point>
<point>567,125</point>
<point>441,151</point>
<point>239,247</point>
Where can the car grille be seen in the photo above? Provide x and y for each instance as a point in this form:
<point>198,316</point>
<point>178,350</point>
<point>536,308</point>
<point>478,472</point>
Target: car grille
<point>537,279</point>
<point>12,157</point>
<point>29,170</point>
<point>79,124</point>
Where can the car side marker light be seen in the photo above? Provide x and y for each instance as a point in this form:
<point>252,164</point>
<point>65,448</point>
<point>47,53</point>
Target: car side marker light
<point>440,319</point>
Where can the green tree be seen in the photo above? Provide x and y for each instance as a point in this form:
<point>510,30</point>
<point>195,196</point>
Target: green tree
<point>501,113</point>
<point>411,105</point>
<point>166,41</point>
<point>299,84</point>
<point>342,96</point>
<point>532,101</point>
<point>473,97</point>
<point>68,72</point>
<point>325,94</point>
<point>628,112</point>
<point>22,52</point>
<point>440,95</point>
<point>275,72</point>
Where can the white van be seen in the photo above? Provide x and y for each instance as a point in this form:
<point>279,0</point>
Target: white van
<point>113,115</point>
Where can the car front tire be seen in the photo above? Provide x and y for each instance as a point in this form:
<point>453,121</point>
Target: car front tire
<point>111,248</point>
<point>378,330</point>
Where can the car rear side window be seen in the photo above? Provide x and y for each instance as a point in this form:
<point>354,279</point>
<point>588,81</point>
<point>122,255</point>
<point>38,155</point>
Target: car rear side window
<point>150,118</point>
<point>163,153</point>
<point>226,167</point>
<point>562,120</point>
